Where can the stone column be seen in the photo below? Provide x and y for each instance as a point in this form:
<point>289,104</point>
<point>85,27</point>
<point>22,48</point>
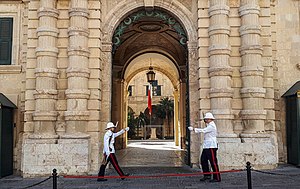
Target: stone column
<point>77,94</point>
<point>176,121</point>
<point>46,71</point>
<point>220,71</point>
<point>252,92</point>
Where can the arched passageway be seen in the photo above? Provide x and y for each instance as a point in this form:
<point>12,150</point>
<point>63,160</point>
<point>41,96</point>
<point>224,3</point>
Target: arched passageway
<point>150,38</point>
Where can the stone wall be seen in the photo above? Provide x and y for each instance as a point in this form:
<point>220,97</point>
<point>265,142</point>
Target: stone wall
<point>244,54</point>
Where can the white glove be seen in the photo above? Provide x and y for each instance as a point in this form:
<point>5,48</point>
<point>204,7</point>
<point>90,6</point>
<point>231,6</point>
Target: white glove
<point>127,129</point>
<point>191,128</point>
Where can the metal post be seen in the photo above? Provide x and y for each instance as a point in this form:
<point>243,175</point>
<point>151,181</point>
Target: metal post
<point>54,175</point>
<point>249,175</point>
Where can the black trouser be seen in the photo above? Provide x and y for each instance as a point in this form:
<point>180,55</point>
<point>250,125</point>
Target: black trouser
<point>113,160</point>
<point>211,156</point>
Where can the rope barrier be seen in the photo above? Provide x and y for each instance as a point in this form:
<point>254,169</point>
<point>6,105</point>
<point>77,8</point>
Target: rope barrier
<point>38,183</point>
<point>271,173</point>
<point>154,176</point>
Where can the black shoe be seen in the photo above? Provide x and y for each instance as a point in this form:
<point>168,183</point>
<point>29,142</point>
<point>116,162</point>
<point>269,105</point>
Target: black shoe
<point>215,180</point>
<point>205,178</point>
<point>125,175</point>
<point>101,179</point>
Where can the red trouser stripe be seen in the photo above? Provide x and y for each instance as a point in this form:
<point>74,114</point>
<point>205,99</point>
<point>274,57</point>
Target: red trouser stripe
<point>115,164</point>
<point>215,164</point>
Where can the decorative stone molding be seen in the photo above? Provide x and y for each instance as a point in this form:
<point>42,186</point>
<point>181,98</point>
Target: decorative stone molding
<point>46,51</point>
<point>80,12</point>
<point>78,72</point>
<point>253,92</point>
<point>251,49</point>
<point>249,9</point>
<point>75,31</point>
<point>218,29</point>
<point>250,29</point>
<point>219,50</point>
<point>77,93</point>
<point>221,93</point>
<point>45,94</point>
<point>44,116</point>
<point>218,10</point>
<point>47,12</point>
<point>76,115</point>
<point>220,71</point>
<point>78,51</point>
<point>47,31</point>
<point>253,114</point>
<point>46,72</point>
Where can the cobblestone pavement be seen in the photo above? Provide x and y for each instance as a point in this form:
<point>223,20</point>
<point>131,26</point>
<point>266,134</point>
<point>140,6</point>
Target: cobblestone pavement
<point>133,161</point>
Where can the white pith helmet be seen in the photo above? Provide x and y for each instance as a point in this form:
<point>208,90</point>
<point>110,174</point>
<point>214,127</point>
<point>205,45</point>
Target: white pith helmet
<point>110,125</point>
<point>209,115</point>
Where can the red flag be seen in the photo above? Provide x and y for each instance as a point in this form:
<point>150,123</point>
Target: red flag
<point>149,98</point>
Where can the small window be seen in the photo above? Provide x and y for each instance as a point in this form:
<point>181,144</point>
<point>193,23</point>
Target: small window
<point>6,27</point>
<point>156,89</point>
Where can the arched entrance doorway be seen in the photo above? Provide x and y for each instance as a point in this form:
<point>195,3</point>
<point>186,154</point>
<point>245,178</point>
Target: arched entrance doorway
<point>143,38</point>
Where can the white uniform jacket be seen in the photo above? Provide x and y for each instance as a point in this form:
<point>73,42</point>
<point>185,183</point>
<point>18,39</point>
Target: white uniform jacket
<point>109,140</point>
<point>210,135</point>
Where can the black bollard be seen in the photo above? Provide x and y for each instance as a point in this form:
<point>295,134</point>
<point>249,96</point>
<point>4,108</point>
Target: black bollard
<point>54,175</point>
<point>249,175</point>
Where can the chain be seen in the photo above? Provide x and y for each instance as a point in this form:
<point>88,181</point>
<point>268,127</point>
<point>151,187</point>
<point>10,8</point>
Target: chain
<point>38,183</point>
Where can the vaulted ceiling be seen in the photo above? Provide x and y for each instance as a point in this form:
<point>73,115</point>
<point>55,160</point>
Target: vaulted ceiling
<point>145,32</point>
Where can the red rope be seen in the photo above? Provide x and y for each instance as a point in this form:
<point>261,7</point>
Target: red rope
<point>152,176</point>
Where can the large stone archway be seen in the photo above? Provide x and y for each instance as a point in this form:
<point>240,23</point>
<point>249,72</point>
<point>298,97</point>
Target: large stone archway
<point>189,63</point>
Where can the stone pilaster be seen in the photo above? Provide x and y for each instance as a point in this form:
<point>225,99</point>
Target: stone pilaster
<point>78,73</point>
<point>106,87</point>
<point>46,71</point>
<point>252,92</point>
<point>220,72</point>
<point>193,101</point>
<point>176,120</point>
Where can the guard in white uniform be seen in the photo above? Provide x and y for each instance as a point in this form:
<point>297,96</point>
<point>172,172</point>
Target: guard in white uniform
<point>109,151</point>
<point>210,147</point>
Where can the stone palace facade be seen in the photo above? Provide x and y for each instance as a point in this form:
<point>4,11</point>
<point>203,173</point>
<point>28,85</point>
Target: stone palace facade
<point>66,65</point>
